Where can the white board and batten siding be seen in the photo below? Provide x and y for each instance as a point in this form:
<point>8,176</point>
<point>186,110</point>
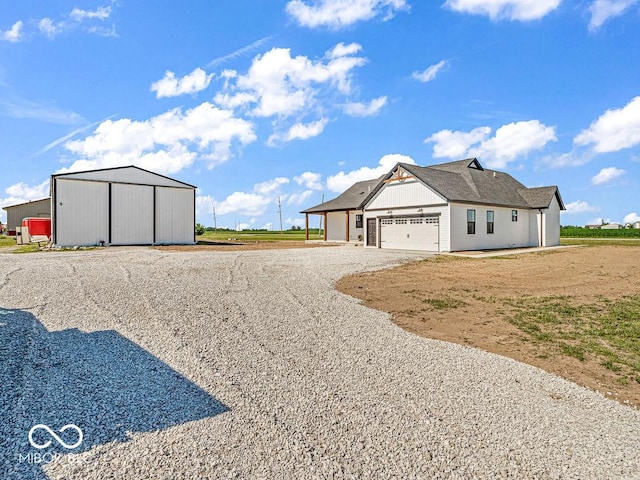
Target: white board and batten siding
<point>337,226</point>
<point>552,224</point>
<point>424,225</point>
<point>506,232</point>
<point>121,206</point>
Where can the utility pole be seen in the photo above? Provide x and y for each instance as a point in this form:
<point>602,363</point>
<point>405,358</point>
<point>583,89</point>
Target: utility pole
<point>215,223</point>
<point>280,212</point>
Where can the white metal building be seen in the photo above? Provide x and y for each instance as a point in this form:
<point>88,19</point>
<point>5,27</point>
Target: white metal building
<point>121,206</point>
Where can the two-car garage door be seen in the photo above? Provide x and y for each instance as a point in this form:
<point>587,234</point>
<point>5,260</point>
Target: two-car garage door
<point>410,233</point>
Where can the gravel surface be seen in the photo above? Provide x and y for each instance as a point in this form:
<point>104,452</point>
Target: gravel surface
<point>249,364</point>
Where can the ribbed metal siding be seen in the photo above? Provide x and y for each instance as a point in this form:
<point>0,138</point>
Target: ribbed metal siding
<point>174,215</point>
<point>40,208</point>
<point>131,214</point>
<point>81,212</point>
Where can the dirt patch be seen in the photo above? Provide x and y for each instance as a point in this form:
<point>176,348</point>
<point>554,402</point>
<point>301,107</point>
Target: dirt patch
<point>241,246</point>
<point>572,312</point>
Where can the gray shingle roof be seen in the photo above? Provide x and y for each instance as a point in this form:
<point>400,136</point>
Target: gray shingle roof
<point>353,198</point>
<point>467,181</point>
<point>541,197</point>
<point>461,181</point>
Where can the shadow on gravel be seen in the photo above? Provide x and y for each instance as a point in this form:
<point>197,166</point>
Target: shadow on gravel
<point>100,382</point>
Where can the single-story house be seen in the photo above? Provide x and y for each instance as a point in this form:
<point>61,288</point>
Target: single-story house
<point>36,208</point>
<point>636,225</point>
<point>121,206</point>
<point>612,226</point>
<point>444,208</point>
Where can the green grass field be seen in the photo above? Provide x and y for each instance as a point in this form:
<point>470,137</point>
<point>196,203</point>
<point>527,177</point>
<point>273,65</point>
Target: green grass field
<point>606,330</point>
<point>7,241</point>
<point>257,236</point>
<point>579,232</point>
<point>591,242</point>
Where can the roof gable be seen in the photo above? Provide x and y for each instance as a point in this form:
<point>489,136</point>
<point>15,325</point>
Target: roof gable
<point>129,174</point>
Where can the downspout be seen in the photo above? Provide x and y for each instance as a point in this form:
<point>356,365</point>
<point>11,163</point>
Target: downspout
<point>541,226</point>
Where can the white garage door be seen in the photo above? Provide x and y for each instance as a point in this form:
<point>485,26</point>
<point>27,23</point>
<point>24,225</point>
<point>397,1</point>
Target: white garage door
<point>131,214</point>
<point>410,233</point>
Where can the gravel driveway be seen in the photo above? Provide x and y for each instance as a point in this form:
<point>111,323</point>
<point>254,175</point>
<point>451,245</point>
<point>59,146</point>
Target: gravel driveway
<point>249,365</point>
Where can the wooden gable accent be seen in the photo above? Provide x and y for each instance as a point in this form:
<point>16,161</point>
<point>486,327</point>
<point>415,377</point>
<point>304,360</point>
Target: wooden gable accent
<point>399,175</point>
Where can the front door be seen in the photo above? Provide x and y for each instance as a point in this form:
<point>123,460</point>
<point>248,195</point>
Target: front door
<point>371,233</point>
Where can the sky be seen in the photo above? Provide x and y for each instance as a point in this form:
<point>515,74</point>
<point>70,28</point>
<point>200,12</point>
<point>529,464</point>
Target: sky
<point>266,103</point>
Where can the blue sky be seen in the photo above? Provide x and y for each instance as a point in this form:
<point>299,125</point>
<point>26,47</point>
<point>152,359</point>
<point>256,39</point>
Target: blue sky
<point>255,100</point>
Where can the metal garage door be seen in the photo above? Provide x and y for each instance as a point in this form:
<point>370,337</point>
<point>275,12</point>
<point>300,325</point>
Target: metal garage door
<point>131,214</point>
<point>410,233</point>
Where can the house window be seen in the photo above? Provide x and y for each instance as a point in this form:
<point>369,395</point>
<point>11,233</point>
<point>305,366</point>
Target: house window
<point>471,222</point>
<point>489,221</point>
<point>514,215</point>
<point>359,221</point>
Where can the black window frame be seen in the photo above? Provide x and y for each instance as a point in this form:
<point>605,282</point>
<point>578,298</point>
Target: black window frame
<point>471,224</point>
<point>514,215</point>
<point>491,223</point>
<point>359,220</point>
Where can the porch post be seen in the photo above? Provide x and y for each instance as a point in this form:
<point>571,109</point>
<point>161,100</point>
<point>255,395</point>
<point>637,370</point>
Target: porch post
<point>347,233</point>
<point>306,226</point>
<point>325,226</point>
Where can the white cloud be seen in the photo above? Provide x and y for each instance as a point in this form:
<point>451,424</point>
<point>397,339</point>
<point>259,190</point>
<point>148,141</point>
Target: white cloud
<point>243,204</point>
<point>580,206</point>
<point>19,108</point>
<point>614,130</point>
<point>602,10</point>
<point>509,142</point>
<point>299,198</point>
<point>252,204</point>
<point>90,21</point>
<point>570,159</point>
<point>452,144</point>
<point>21,193</point>
<point>338,14</point>
<point>14,34</point>
<point>310,180</point>
<point>165,143</point>
<point>430,73</point>
<point>270,186</point>
<point>523,10</point>
<point>299,131</point>
<point>278,84</point>
<point>606,175</point>
<point>170,86</point>
<point>632,217</point>
<point>358,109</point>
<point>101,13</point>
<point>341,181</point>
<point>49,28</point>
<point>597,221</point>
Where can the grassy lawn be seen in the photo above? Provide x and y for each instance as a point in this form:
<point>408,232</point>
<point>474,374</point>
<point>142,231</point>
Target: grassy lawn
<point>7,241</point>
<point>605,330</point>
<point>257,236</point>
<point>621,242</point>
